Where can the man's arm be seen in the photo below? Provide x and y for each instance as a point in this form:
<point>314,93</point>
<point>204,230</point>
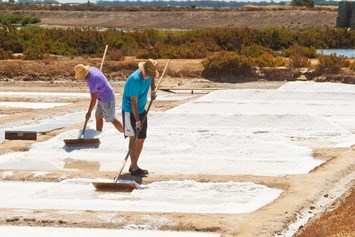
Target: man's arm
<point>92,105</point>
<point>153,94</point>
<point>134,104</point>
<point>152,84</point>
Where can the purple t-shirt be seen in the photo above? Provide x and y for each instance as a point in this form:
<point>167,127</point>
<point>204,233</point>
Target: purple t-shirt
<point>98,83</point>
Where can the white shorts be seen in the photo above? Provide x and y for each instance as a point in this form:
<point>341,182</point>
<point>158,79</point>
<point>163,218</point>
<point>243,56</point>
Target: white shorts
<point>106,110</point>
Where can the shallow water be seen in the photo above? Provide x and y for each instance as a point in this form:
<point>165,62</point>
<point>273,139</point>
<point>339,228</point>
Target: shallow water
<point>349,53</point>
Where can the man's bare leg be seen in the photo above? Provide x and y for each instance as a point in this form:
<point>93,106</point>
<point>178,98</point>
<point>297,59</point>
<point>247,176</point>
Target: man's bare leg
<point>99,123</point>
<point>118,125</point>
<point>135,152</point>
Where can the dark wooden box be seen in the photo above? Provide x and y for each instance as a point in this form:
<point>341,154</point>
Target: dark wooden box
<point>20,135</point>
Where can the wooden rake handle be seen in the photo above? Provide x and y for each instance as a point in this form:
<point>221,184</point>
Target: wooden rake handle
<point>103,57</point>
<point>102,63</point>
<point>84,128</point>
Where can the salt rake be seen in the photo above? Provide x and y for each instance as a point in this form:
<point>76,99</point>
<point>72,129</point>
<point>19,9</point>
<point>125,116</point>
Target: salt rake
<point>127,185</point>
<point>116,187</point>
<point>82,141</point>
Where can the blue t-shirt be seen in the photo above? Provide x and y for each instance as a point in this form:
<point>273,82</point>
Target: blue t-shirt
<point>98,83</point>
<point>138,87</point>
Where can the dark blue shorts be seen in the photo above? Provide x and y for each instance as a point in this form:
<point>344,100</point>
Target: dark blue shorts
<point>129,124</point>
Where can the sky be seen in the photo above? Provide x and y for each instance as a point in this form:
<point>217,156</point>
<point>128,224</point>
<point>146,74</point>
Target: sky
<point>262,132</point>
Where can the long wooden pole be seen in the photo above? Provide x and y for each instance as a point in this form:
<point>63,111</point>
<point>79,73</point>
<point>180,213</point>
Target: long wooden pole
<point>103,57</point>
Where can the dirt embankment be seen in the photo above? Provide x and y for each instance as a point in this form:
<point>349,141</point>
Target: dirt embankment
<point>54,70</point>
<point>296,19</point>
<point>63,70</point>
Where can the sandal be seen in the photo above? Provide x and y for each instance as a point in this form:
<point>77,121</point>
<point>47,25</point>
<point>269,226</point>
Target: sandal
<point>139,172</point>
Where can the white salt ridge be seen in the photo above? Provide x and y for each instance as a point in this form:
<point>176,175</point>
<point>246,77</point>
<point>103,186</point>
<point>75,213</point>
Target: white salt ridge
<point>39,173</point>
<point>49,123</point>
<point>31,105</point>
<point>6,174</point>
<point>272,106</point>
<point>318,87</point>
<point>169,196</point>
<point>165,96</point>
<point>16,231</point>
<point>44,95</point>
<point>275,155</point>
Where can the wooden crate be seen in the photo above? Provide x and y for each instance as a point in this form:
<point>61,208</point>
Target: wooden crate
<point>20,135</point>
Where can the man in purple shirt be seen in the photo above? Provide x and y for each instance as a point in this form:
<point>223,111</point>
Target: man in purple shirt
<point>101,92</point>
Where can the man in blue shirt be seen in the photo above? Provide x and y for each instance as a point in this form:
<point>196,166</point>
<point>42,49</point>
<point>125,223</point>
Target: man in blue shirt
<point>134,100</point>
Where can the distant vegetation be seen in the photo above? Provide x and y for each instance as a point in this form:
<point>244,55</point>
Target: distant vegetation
<point>306,3</point>
<point>161,44</point>
<point>190,44</point>
<point>18,19</point>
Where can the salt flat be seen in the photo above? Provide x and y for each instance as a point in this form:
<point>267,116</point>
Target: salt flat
<point>228,133</point>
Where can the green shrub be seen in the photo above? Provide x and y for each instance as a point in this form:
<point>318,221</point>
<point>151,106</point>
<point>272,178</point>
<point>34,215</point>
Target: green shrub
<point>5,54</point>
<point>193,50</point>
<point>352,66</point>
<point>274,38</point>
<point>34,53</point>
<point>35,20</point>
<point>25,21</point>
<point>9,18</point>
<point>336,38</point>
<point>255,51</point>
<point>299,61</point>
<point>306,3</point>
<point>268,60</point>
<point>227,64</point>
<point>331,63</point>
<point>116,55</point>
<point>309,52</point>
<point>16,19</point>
